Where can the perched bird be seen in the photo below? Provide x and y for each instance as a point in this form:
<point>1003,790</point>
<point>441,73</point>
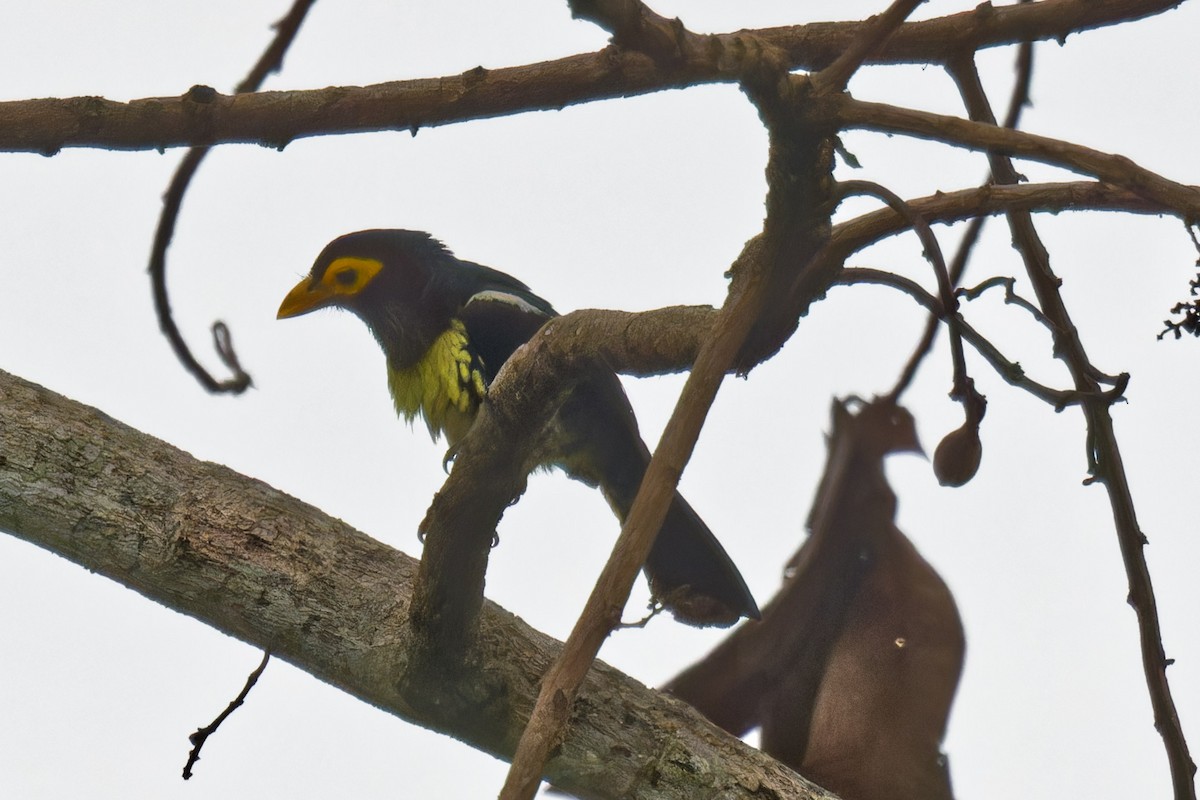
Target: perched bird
<point>446,327</point>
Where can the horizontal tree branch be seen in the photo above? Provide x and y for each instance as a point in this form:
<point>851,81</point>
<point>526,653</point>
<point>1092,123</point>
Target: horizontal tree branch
<point>279,574</point>
<point>985,26</point>
<point>273,119</point>
<point>947,207</point>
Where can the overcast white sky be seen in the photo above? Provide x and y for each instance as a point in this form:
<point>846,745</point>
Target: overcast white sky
<point>627,204</point>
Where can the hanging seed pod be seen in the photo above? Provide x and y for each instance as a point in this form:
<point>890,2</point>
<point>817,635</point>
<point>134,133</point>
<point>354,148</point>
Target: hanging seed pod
<point>956,459</point>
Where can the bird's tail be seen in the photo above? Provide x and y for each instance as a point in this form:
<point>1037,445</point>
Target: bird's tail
<point>689,572</point>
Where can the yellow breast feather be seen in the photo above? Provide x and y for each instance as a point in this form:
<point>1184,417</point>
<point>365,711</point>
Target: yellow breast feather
<point>445,386</point>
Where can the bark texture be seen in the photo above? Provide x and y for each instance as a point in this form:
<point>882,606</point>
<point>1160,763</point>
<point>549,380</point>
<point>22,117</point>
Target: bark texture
<point>279,574</point>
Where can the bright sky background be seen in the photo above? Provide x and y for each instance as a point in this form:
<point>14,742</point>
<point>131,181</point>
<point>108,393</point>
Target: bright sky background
<point>629,204</point>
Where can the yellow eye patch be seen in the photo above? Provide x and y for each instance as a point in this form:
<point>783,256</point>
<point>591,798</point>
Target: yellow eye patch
<point>349,274</point>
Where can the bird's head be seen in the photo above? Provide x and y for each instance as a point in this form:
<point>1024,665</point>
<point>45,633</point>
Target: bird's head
<point>383,276</point>
<point>364,269</point>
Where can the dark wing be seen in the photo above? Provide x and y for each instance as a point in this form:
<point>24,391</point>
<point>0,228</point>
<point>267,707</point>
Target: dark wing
<point>501,317</point>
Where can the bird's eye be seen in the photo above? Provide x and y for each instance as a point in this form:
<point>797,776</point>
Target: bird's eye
<point>349,274</point>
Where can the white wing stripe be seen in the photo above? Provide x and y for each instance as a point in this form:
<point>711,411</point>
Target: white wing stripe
<point>511,299</point>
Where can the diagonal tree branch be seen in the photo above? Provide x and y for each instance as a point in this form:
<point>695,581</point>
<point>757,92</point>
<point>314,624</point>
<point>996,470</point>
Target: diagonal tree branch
<point>834,77</point>
<point>634,26</point>
<point>602,611</point>
<point>751,325</point>
<point>1105,463</point>
<point>270,570</point>
<point>1108,167</point>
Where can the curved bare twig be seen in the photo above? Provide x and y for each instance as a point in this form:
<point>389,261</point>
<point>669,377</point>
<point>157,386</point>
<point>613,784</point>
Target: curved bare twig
<point>1010,371</point>
<point>271,59</point>
<point>966,246</point>
<point>963,385</point>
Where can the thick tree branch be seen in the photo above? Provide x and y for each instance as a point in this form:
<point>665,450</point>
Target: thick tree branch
<point>274,119</point>
<point>277,573</point>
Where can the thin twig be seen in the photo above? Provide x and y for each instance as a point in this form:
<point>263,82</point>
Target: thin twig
<point>201,735</point>
<point>958,267</point>
<point>919,225</point>
<point>1105,463</point>
<point>1010,371</point>
<point>1010,296</point>
<point>925,344</point>
<point>963,385</point>
<point>978,135</point>
<point>269,61</point>
<point>1189,308</point>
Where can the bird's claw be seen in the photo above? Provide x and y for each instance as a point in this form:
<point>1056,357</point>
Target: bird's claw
<point>654,609</point>
<point>448,458</point>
